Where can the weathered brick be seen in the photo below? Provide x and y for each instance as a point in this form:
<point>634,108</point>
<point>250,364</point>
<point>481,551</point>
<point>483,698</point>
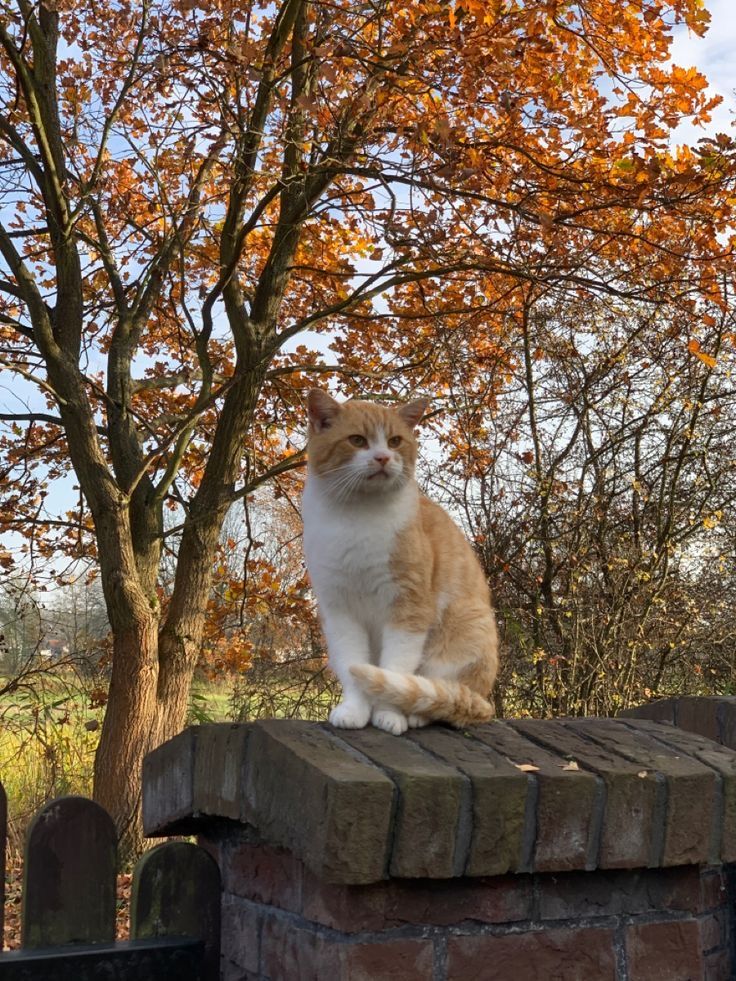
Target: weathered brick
<point>432,796</point>
<point>304,791</point>
<point>667,951</point>
<point>632,825</point>
<point>502,899</point>
<point>546,955</point>
<point>713,930</point>
<point>661,710</point>
<point>219,764</point>
<point>614,893</point>
<point>264,874</point>
<point>499,799</point>
<point>168,786</point>
<point>714,888</point>
<point>719,966</point>
<point>422,902</point>
<point>390,960</point>
<point>726,710</point>
<point>698,715</point>
<point>691,787</point>
<point>568,804</point>
<point>291,952</point>
<point>352,909</point>
<point>722,760</point>
<point>241,926</point>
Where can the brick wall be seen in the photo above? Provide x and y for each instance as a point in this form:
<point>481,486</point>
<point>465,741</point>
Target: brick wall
<point>286,924</point>
<point>566,849</point>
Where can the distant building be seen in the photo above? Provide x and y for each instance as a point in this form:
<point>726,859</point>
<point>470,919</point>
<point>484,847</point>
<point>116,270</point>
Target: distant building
<point>53,647</point>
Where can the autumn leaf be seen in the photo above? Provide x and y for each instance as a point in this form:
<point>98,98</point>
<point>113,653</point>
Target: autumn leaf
<point>707,359</point>
<point>169,304</point>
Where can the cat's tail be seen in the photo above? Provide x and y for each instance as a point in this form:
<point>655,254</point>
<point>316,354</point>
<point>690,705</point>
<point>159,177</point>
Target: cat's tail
<point>432,698</point>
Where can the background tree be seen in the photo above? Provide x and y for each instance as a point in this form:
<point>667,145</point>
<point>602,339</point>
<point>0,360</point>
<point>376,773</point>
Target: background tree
<point>193,194</point>
<point>603,519</point>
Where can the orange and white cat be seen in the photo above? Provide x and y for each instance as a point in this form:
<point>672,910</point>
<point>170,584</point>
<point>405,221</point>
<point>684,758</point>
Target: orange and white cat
<point>404,604</point>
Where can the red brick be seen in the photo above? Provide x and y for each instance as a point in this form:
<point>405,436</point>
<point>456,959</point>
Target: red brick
<point>714,891</point>
<point>486,900</point>
<point>719,966</point>
<point>713,930</point>
<point>664,951</point>
<point>264,874</point>
<point>547,955</point>
<point>613,893</point>
<point>292,953</point>
<point>289,953</point>
<point>425,901</point>
<point>348,908</point>
<point>393,960</point>
<point>240,936</point>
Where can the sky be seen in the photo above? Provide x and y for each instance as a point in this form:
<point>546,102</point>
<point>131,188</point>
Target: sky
<point>714,55</point>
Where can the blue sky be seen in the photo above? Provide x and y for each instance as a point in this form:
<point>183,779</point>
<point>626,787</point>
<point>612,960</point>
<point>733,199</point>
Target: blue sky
<point>715,56</point>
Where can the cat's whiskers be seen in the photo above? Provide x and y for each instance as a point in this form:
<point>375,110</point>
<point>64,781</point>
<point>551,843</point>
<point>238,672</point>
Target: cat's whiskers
<point>344,488</point>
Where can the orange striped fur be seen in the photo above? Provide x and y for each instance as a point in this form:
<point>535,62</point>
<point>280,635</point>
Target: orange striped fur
<point>441,701</point>
<point>404,603</point>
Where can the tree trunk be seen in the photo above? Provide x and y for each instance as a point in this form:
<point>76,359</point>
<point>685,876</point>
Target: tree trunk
<point>130,729</point>
<point>146,706</point>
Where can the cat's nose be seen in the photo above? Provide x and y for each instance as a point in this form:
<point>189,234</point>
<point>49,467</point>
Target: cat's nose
<point>381,457</point>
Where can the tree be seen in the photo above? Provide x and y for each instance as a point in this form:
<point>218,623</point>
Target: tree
<point>192,191</point>
<point>603,522</point>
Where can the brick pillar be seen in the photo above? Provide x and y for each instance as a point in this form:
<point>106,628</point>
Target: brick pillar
<point>571,849</point>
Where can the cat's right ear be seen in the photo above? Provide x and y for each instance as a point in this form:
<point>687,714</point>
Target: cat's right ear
<point>322,409</point>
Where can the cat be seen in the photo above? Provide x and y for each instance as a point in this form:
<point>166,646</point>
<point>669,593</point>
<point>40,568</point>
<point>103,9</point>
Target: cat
<point>405,607</point>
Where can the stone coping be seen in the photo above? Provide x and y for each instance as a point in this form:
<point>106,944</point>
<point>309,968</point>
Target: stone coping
<point>521,796</point>
<point>713,716</point>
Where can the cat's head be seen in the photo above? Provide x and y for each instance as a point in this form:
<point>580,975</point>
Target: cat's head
<point>361,449</point>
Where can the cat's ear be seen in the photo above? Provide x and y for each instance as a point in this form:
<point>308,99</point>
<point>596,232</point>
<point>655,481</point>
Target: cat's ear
<point>322,409</point>
<point>412,412</point>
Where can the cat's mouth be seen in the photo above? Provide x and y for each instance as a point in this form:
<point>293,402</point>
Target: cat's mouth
<point>379,473</point>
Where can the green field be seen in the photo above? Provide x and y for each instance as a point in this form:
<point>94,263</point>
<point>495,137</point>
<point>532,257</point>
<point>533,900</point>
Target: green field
<point>49,732</point>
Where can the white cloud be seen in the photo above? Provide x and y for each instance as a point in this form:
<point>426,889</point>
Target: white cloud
<point>714,56</point>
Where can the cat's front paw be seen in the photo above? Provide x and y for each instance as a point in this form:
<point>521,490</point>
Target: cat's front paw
<point>390,721</point>
<point>417,721</point>
<point>350,715</point>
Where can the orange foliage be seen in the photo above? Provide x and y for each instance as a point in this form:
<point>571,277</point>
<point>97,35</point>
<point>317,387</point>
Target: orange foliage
<point>300,191</point>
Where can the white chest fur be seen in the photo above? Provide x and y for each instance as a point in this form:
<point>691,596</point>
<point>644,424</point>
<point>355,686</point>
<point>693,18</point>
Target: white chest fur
<point>348,548</point>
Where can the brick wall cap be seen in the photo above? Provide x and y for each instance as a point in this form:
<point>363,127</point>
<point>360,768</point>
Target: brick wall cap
<point>361,806</point>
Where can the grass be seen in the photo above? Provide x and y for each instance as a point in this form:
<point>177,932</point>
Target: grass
<point>49,733</point>
<point>210,701</point>
<point>48,738</point>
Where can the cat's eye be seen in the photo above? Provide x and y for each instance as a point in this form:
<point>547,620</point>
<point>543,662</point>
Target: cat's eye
<point>394,441</point>
<point>358,440</point>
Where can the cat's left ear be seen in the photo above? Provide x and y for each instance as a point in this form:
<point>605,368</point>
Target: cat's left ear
<point>412,412</point>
